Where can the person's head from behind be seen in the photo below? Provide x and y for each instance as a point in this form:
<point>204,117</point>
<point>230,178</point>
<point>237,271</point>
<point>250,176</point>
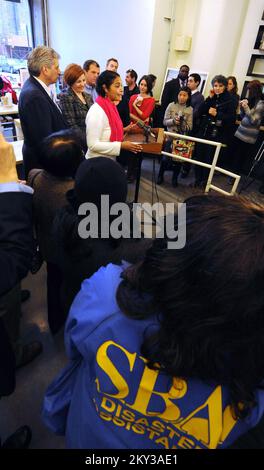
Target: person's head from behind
<point>194,81</point>
<point>43,63</point>
<point>131,77</point>
<point>92,70</point>
<point>112,64</point>
<point>109,85</point>
<point>74,77</point>
<point>145,85</point>
<point>184,96</point>
<point>153,79</point>
<point>219,84</point>
<point>232,85</point>
<point>184,72</point>
<point>97,177</point>
<point>254,92</point>
<point>61,153</point>
<point>209,295</point>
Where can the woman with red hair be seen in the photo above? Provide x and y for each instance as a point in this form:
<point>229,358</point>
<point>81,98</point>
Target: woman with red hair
<point>75,102</point>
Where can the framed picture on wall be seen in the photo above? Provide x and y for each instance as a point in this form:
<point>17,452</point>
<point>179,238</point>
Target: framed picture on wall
<point>173,73</point>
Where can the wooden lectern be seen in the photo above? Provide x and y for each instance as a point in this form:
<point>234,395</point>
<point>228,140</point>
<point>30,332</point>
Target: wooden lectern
<point>151,144</point>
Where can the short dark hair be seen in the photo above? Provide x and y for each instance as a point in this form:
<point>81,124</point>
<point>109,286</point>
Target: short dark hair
<point>148,82</point>
<point>196,77</point>
<point>187,90</point>
<point>133,74</point>
<point>87,64</point>
<point>152,76</point>
<point>113,59</point>
<point>105,78</point>
<point>61,153</point>
<point>209,300</point>
<point>186,66</point>
<point>220,79</point>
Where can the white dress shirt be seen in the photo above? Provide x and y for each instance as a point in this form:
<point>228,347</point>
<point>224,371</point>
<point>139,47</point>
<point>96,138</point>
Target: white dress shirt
<point>14,187</point>
<point>51,90</point>
<point>46,88</point>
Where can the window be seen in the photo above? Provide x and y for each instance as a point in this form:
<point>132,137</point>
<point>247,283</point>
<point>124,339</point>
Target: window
<point>15,36</point>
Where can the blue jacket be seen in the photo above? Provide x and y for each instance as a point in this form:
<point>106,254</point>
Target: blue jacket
<point>108,398</point>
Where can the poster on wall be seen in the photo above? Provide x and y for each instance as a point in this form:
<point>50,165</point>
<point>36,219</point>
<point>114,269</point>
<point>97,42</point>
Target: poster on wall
<point>173,73</point>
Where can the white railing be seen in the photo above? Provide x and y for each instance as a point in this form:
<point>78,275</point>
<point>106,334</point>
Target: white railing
<point>211,166</point>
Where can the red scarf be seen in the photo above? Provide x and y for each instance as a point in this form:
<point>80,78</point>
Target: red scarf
<point>117,132</point>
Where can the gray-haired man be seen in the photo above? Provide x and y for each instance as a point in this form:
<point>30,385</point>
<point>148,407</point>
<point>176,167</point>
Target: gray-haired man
<point>39,114</point>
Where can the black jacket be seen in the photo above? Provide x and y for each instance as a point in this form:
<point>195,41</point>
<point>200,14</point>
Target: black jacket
<point>39,117</point>
<point>220,127</point>
<point>80,258</point>
<point>16,238</point>
<point>16,249</point>
<point>123,106</point>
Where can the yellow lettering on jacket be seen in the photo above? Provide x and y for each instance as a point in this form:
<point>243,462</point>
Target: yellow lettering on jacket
<point>229,423</point>
<point>146,391</point>
<point>146,386</point>
<point>207,430</point>
<point>109,368</point>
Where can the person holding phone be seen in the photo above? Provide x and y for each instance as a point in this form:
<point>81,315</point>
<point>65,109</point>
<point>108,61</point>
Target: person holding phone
<point>142,105</point>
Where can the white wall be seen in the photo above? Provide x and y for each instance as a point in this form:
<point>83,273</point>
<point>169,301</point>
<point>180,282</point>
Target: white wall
<point>215,27</point>
<point>88,29</point>
<point>162,31</point>
<point>223,36</point>
<point>141,34</point>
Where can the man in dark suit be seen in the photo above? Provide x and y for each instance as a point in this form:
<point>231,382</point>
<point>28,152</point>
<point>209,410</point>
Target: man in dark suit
<point>39,114</point>
<point>172,88</point>
<point>16,249</point>
<point>130,89</point>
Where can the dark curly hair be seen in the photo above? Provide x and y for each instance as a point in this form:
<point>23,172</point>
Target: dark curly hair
<point>209,296</point>
<point>106,79</point>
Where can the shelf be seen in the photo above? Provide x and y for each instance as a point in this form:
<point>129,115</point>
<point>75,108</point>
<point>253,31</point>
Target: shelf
<point>260,39</point>
<point>256,64</point>
<point>252,72</point>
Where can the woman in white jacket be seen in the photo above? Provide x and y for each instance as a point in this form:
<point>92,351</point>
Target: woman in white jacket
<point>104,128</point>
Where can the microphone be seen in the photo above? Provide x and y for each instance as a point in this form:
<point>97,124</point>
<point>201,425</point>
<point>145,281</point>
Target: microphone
<point>146,129</point>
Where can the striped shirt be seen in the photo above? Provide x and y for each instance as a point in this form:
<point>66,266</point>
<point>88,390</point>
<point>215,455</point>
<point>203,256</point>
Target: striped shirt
<point>248,130</point>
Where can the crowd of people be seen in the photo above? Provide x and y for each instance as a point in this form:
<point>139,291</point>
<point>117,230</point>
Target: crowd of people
<point>165,347</point>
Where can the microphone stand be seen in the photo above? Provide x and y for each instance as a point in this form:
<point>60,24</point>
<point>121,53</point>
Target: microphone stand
<point>146,134</point>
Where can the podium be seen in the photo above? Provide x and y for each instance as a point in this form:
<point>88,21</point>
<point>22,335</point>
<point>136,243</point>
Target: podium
<point>151,144</point>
